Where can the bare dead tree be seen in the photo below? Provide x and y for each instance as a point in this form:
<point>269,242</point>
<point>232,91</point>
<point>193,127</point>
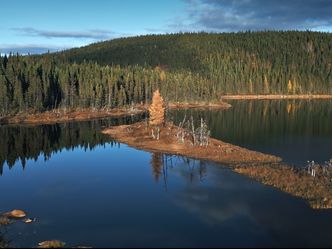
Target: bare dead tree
<point>198,136</point>
<point>180,134</point>
<point>320,170</point>
<point>193,134</point>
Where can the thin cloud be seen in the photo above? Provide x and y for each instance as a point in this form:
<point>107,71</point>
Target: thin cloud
<point>29,49</point>
<point>95,34</point>
<point>239,15</point>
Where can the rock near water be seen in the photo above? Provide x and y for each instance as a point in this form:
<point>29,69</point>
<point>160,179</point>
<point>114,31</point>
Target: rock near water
<point>15,214</point>
<point>51,244</point>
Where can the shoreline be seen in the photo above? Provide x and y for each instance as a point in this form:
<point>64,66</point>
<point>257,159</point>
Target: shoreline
<point>276,96</point>
<point>296,182</point>
<point>85,114</point>
<point>199,105</point>
<point>266,169</point>
<point>138,135</point>
<point>61,116</point>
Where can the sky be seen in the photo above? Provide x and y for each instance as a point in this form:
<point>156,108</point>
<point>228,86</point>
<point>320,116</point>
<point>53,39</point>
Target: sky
<point>38,26</point>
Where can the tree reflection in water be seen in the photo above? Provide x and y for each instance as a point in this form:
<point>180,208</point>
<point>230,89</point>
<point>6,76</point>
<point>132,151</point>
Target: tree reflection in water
<point>295,130</point>
<point>22,143</point>
<point>193,170</point>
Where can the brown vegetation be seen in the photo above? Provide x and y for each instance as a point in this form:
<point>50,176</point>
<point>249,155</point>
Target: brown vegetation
<point>138,135</point>
<point>312,184</point>
<point>51,244</point>
<point>277,96</point>
<point>198,105</point>
<point>59,116</point>
<point>157,110</point>
<point>317,190</point>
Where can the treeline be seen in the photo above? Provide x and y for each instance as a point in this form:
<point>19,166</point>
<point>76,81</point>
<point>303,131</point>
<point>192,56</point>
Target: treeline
<point>39,85</point>
<point>186,68</point>
<point>28,84</point>
<point>289,62</point>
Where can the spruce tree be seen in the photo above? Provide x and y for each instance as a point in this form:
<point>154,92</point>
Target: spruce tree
<point>157,110</point>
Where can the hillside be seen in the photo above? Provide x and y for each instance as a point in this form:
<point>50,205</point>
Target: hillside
<point>185,67</point>
<point>250,62</point>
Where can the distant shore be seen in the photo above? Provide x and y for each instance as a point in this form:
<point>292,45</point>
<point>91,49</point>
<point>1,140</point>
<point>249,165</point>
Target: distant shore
<point>276,96</point>
<point>61,116</point>
<point>84,114</point>
<point>199,105</point>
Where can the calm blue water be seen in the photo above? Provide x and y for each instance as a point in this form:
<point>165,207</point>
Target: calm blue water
<point>88,190</point>
<point>296,130</point>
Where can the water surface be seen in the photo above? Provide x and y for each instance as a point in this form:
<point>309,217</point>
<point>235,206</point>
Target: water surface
<point>295,130</point>
<point>86,189</point>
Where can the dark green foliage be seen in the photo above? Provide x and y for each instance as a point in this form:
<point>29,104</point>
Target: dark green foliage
<point>152,50</point>
<point>186,67</point>
<point>23,143</point>
<point>35,85</point>
<point>249,62</point>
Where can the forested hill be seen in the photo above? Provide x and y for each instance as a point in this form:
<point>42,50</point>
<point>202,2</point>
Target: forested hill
<point>275,57</point>
<point>185,67</point>
<point>199,52</point>
<point>249,62</point>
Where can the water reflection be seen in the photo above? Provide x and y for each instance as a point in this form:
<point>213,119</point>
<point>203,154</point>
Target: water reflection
<point>157,165</point>
<point>295,130</point>
<point>246,213</point>
<point>22,143</point>
<point>109,197</point>
<point>190,169</point>
<point>250,216</point>
<point>316,189</point>
<point>121,197</point>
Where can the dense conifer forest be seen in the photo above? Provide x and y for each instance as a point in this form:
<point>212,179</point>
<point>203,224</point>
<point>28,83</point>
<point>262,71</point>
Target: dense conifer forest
<point>186,67</point>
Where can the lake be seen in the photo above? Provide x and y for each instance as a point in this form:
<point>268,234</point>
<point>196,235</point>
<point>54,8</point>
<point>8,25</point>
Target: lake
<point>296,130</point>
<point>88,190</point>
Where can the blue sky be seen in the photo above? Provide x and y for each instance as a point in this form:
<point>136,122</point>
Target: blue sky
<point>39,25</point>
<point>67,23</point>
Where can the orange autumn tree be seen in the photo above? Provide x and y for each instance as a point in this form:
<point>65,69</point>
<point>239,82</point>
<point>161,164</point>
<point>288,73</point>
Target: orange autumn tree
<point>157,110</point>
<point>157,113</point>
